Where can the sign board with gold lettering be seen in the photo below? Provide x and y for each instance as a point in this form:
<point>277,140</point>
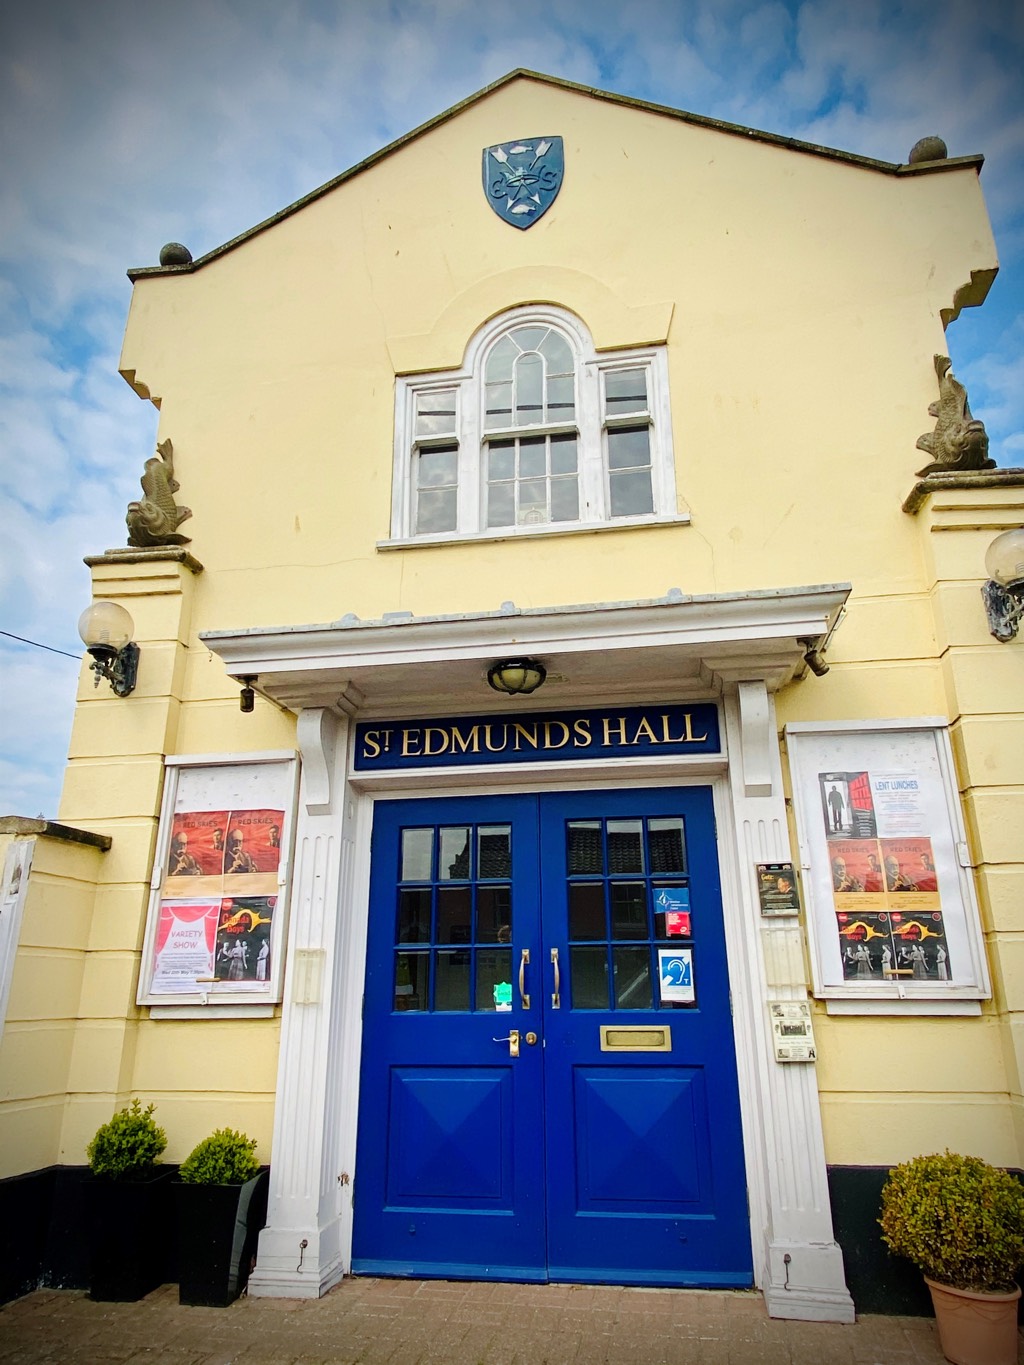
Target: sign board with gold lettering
<point>468,741</point>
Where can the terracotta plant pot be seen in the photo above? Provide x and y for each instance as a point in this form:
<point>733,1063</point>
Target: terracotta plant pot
<point>974,1328</point>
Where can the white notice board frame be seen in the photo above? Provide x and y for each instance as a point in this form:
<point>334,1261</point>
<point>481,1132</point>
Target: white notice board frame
<point>237,815</point>
<point>896,797</point>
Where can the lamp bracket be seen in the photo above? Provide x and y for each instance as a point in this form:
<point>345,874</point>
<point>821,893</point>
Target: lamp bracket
<point>120,667</point>
<point>1003,608</point>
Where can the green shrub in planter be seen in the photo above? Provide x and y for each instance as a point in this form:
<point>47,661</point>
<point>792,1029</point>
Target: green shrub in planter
<point>128,1205</point>
<point>128,1146</point>
<point>221,1207</point>
<point>960,1220</point>
<point>224,1158</point>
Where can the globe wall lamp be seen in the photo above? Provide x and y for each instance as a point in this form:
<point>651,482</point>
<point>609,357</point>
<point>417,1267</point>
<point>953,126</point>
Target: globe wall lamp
<point>106,630</point>
<point>1003,594</point>
<point>513,676</point>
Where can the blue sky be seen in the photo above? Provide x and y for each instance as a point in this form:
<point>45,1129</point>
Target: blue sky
<point>127,125</point>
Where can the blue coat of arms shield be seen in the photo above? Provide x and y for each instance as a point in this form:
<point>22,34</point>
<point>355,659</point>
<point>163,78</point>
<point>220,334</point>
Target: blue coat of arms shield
<point>522,179</point>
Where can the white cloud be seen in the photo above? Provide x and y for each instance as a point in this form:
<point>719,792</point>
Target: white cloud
<point>123,126</point>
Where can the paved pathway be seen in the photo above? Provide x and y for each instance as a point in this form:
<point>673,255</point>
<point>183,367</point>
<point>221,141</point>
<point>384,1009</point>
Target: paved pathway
<point>424,1322</point>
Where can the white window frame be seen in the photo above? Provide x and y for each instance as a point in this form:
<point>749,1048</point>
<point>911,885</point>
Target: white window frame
<point>590,425</point>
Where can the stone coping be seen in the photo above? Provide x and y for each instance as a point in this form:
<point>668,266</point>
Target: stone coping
<point>50,829</point>
<point>170,554</point>
<point>967,480</point>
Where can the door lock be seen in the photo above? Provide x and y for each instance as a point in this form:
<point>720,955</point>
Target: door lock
<point>531,1038</point>
<point>513,1042</point>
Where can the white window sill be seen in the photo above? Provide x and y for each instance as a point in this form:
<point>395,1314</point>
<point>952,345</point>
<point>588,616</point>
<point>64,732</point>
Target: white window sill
<point>905,1007</point>
<point>521,532</point>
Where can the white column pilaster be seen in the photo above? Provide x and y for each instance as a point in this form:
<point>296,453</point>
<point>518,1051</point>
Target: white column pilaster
<point>798,1262</point>
<point>300,1250</point>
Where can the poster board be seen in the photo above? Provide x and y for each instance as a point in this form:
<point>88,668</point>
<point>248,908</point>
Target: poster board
<point>215,932</point>
<point>891,912</point>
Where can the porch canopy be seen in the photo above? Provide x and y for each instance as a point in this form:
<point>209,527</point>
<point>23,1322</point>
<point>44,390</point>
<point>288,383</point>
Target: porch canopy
<point>672,647</point>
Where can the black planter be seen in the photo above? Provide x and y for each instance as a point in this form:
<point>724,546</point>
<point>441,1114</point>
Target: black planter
<point>128,1229</point>
<point>218,1226</point>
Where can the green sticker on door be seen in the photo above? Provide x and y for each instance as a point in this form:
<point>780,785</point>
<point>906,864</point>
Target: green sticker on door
<point>503,996</point>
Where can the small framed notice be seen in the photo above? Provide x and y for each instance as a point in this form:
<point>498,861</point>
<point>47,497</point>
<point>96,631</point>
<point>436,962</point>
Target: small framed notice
<point>776,888</point>
<point>219,890</point>
<point>792,1032</point>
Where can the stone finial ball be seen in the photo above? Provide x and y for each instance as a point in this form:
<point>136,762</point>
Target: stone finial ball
<point>927,149</point>
<point>175,254</point>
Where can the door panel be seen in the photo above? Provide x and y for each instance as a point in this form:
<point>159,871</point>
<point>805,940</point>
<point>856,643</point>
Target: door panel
<point>554,916</point>
<point>449,1173</point>
<point>645,1168</point>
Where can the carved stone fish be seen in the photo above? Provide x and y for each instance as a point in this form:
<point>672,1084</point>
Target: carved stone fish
<point>959,440</point>
<point>155,518</point>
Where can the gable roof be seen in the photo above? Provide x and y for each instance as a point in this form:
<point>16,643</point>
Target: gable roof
<point>523,73</point>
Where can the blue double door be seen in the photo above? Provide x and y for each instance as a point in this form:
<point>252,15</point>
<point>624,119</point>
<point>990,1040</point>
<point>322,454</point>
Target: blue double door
<point>548,1086</point>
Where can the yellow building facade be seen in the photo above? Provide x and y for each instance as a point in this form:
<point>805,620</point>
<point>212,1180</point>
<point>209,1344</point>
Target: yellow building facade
<point>659,441</point>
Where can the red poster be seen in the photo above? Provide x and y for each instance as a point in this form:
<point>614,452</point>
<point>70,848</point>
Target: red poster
<point>856,866</point>
<point>909,865</point>
<point>253,842</point>
<point>197,843</point>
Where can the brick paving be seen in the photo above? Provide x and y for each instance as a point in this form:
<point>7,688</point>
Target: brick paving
<point>430,1322</point>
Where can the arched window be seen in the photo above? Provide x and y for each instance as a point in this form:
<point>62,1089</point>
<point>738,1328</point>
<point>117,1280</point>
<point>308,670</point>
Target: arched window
<point>536,433</point>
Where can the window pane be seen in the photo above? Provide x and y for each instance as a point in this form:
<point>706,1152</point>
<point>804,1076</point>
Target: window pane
<point>417,845</point>
<point>453,861</point>
<point>584,847</point>
<point>629,910</point>
<point>451,982</point>
<point>454,914</point>
<point>413,917</point>
<point>557,352</point>
<point>532,457</point>
<point>625,846</point>
<point>435,413</point>
<point>436,468</point>
<point>500,359</point>
<point>501,460</point>
<point>586,910</point>
<point>563,454</point>
<point>565,499</point>
<point>412,981</point>
<point>667,846</point>
<point>588,974</point>
<point>625,391</point>
<point>493,978</point>
<point>501,505</point>
<point>632,968</point>
<point>494,914</point>
<point>494,851</point>
<point>533,500</point>
<point>529,338</point>
<point>631,494</point>
<point>629,448</point>
<point>436,510</point>
<point>499,406</point>
<point>529,389</point>
<point>561,398</point>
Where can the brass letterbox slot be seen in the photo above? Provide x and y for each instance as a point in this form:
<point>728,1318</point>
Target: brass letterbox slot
<point>615,1039</point>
